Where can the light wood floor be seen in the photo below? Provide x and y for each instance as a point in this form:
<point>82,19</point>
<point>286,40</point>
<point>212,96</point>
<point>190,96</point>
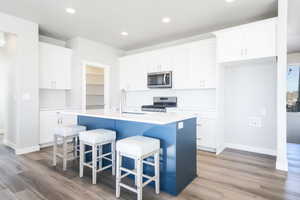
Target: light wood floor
<point>231,175</point>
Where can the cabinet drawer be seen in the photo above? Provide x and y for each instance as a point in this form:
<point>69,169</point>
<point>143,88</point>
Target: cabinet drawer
<point>206,133</point>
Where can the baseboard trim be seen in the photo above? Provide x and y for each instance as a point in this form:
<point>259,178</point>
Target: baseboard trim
<point>25,150</point>
<point>199,147</point>
<point>9,144</point>
<point>220,149</point>
<point>251,149</point>
<point>282,164</point>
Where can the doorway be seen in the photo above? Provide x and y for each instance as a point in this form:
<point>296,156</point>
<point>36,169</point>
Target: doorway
<point>8,103</point>
<point>95,86</point>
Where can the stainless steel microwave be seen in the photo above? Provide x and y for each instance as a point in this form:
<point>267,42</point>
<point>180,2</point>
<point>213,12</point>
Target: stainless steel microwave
<point>160,79</point>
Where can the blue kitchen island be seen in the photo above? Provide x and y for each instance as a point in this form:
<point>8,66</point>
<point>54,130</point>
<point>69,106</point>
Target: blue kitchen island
<point>177,135</point>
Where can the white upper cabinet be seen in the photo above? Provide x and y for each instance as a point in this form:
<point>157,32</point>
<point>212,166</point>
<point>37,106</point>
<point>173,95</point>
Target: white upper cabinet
<point>55,66</point>
<point>251,41</point>
<point>133,73</point>
<point>202,64</point>
<point>181,68</point>
<point>193,66</point>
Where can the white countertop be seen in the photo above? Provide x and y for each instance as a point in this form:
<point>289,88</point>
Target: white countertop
<point>152,118</point>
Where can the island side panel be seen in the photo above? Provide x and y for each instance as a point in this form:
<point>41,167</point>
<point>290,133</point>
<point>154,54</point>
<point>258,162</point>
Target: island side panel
<point>186,153</point>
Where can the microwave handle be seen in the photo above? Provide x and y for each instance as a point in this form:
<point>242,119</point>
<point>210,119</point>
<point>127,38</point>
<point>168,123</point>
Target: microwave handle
<point>165,81</point>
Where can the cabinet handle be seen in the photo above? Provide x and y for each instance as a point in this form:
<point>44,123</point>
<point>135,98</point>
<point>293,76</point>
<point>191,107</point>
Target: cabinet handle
<point>242,52</point>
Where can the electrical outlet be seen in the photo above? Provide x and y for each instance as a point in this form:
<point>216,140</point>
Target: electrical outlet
<point>180,125</point>
<point>255,122</point>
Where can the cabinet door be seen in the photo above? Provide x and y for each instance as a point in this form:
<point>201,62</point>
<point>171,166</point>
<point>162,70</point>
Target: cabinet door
<point>46,62</point>
<point>230,45</point>
<point>202,62</point>
<point>55,66</point>
<point>124,73</point>
<point>181,67</point>
<point>133,73</point>
<point>48,121</point>
<point>206,133</point>
<point>260,39</point>
<point>62,69</point>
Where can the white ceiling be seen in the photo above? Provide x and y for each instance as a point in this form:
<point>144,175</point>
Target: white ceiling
<point>294,26</point>
<point>103,20</point>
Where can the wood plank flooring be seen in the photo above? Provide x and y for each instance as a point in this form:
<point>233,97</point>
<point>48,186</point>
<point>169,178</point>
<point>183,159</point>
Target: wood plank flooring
<point>231,175</point>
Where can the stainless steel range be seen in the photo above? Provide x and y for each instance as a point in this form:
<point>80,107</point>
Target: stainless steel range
<point>161,104</point>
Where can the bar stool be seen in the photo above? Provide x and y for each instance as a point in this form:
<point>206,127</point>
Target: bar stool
<point>137,148</point>
<point>96,139</point>
<point>63,134</point>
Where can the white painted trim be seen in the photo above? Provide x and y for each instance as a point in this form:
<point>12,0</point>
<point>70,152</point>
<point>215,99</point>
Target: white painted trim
<point>203,148</point>
<point>106,83</point>
<point>259,150</point>
<point>220,149</point>
<point>281,121</point>
<point>26,150</point>
<point>9,144</point>
<point>282,164</point>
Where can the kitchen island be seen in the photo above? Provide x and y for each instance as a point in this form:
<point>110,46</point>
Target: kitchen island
<point>176,132</point>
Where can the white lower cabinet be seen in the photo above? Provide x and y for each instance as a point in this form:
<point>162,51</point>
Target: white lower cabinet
<point>206,134</point>
<point>48,121</point>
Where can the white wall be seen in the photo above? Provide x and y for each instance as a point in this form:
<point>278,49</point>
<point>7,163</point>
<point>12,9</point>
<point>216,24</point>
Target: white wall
<point>27,82</point>
<point>52,99</point>
<point>86,50</point>
<point>250,91</point>
<point>198,100</point>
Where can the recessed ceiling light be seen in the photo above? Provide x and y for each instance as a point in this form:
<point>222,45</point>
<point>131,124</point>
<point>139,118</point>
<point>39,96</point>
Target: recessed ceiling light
<point>70,10</point>
<point>124,33</point>
<point>166,20</point>
<point>230,1</point>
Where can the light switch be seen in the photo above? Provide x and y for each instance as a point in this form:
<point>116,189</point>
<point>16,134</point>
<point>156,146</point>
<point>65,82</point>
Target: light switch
<point>255,122</point>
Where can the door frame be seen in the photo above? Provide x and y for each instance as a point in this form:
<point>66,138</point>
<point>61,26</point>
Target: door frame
<point>106,82</point>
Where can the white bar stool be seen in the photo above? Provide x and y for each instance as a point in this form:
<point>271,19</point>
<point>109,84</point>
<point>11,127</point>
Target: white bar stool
<point>96,139</point>
<point>137,148</point>
<point>63,134</point>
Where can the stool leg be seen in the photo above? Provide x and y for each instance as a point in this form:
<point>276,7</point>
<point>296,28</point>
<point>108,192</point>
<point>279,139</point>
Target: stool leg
<point>81,159</point>
<point>65,153</point>
<point>54,150</point>
<point>94,155</point>
<point>113,157</point>
<point>156,166</point>
<point>135,167</point>
<point>74,147</point>
<point>139,179</point>
<point>118,174</point>
<point>100,154</point>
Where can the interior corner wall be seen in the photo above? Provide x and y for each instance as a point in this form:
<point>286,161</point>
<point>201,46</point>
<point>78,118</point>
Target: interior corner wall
<point>87,50</point>
<point>250,91</point>
<point>27,81</point>
<point>8,110</point>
